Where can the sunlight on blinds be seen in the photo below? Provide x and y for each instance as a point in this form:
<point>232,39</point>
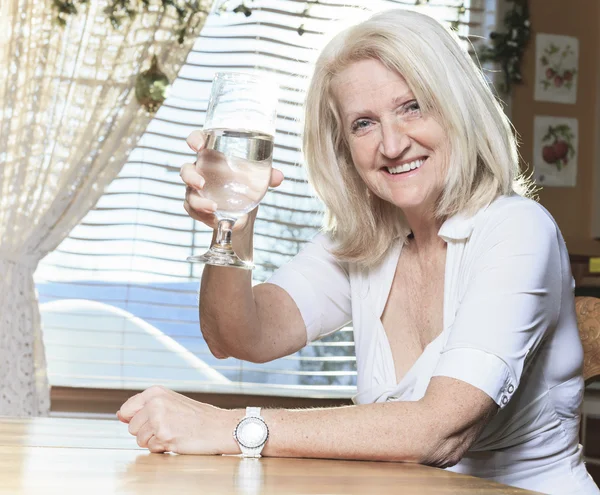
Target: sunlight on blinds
<point>119,301</point>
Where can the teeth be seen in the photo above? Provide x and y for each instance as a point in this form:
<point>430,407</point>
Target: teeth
<point>406,167</point>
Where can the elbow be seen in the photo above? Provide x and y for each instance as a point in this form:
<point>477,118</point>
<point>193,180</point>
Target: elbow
<point>216,345</point>
<point>439,453</point>
<point>217,350</point>
<point>256,358</point>
<point>444,446</point>
<point>248,352</point>
<point>242,353</point>
<point>444,453</point>
<point>224,342</point>
<point>223,348</point>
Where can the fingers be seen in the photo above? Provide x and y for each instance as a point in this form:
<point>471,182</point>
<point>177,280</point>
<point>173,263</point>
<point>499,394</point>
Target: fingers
<point>191,177</point>
<point>130,407</point>
<point>156,446</point>
<point>206,217</point>
<point>197,206</point>
<point>135,404</point>
<point>196,140</point>
<point>276,178</point>
<point>146,438</point>
<point>150,415</point>
<point>192,213</point>
<point>144,435</point>
<point>199,203</point>
<point>138,421</point>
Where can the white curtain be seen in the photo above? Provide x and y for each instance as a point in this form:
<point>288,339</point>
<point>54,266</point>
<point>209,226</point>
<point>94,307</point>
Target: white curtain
<point>68,120</point>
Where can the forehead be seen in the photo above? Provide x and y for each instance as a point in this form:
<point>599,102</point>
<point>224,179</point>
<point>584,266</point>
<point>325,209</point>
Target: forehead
<point>366,83</point>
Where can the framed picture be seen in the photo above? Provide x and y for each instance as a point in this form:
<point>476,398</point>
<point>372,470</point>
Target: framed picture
<point>556,68</point>
<point>555,151</point>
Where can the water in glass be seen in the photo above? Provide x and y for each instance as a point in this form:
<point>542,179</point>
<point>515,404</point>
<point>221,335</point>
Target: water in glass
<point>236,165</point>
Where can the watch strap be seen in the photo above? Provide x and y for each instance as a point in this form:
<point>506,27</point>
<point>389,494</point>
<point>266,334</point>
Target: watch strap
<point>253,412</point>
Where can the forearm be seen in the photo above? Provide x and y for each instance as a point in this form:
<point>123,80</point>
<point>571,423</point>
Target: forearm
<point>227,311</point>
<point>228,316</point>
<point>436,430</point>
<point>400,431</point>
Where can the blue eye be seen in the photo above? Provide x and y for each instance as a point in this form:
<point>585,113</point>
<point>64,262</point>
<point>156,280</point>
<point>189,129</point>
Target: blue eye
<point>413,107</point>
<point>360,124</point>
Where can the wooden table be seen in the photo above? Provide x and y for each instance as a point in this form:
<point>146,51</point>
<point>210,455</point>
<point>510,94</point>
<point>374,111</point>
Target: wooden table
<point>87,456</point>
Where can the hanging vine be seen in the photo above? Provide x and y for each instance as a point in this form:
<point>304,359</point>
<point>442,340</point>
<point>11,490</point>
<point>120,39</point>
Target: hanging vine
<point>120,11</point>
<point>506,48</point>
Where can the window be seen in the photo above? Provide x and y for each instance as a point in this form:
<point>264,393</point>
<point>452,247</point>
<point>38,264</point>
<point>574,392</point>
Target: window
<point>118,299</point>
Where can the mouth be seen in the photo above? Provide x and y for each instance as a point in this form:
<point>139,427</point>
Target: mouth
<point>406,167</point>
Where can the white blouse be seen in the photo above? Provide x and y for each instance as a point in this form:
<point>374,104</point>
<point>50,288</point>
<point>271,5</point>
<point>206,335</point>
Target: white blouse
<point>509,330</point>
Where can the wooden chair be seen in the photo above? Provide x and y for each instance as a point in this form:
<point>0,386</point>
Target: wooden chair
<point>588,322</point>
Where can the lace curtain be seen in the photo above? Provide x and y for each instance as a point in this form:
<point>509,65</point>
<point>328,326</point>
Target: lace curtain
<point>68,120</point>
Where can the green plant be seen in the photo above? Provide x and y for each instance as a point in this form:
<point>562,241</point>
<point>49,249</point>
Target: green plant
<point>507,47</point>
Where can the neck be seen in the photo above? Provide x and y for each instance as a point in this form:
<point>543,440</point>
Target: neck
<point>424,230</point>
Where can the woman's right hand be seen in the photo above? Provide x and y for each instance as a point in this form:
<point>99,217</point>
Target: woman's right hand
<point>197,206</point>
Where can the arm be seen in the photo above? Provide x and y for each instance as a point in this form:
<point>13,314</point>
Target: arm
<point>235,318</point>
<point>393,431</point>
<point>304,300</point>
<point>165,421</point>
<point>256,324</point>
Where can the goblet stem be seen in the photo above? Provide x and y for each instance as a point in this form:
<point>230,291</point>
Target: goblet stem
<point>224,229</point>
<point>221,252</point>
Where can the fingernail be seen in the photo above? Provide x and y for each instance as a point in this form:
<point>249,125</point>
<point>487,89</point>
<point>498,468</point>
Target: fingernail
<point>213,207</point>
<point>201,182</point>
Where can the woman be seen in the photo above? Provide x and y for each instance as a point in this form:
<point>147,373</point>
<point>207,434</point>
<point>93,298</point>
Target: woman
<point>458,287</point>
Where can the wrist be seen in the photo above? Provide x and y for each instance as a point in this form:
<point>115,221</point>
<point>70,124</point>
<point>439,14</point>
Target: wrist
<point>230,446</point>
<point>243,238</point>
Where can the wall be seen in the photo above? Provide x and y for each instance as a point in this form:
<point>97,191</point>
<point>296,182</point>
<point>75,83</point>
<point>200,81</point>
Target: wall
<point>571,207</point>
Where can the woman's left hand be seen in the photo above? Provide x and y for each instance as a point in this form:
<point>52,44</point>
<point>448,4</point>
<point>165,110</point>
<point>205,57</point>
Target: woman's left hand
<point>165,421</point>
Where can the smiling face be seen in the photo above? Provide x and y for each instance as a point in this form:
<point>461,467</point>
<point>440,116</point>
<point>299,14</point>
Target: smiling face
<point>400,153</point>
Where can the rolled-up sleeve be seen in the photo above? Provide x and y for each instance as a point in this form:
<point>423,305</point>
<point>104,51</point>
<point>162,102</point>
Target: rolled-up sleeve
<point>511,301</point>
<point>319,285</point>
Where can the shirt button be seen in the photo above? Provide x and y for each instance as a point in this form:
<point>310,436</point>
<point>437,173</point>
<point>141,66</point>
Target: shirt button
<point>505,400</point>
<point>511,389</point>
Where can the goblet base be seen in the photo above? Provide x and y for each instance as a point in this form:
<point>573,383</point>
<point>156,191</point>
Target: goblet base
<point>217,256</point>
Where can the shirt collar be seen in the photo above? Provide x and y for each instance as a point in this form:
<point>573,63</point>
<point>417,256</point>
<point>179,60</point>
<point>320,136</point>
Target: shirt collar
<point>459,227</point>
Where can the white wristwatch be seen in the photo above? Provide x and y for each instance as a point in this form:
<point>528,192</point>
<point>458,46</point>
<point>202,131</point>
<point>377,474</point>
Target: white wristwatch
<point>251,433</point>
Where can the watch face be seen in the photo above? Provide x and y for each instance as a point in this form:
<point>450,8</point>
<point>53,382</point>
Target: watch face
<point>251,432</point>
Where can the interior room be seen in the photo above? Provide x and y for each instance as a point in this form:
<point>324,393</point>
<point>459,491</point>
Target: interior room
<point>102,249</point>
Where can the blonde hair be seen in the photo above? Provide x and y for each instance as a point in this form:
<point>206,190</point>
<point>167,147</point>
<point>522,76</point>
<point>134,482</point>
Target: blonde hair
<point>483,161</point>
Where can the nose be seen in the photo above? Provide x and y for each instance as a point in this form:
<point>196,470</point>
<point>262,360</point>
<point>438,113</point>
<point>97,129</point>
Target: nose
<point>394,140</point>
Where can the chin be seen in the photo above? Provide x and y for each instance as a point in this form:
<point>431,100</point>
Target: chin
<point>417,201</point>
<point>407,203</point>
